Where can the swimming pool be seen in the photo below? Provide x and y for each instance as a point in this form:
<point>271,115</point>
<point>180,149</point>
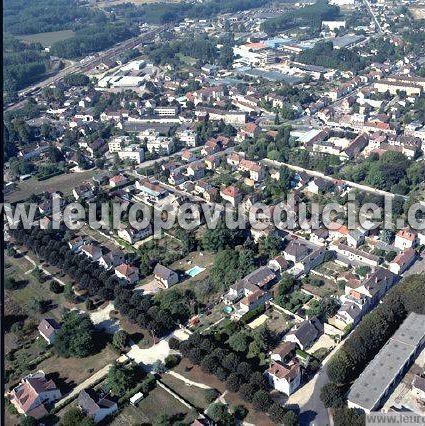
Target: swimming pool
<point>195,271</point>
<point>227,309</point>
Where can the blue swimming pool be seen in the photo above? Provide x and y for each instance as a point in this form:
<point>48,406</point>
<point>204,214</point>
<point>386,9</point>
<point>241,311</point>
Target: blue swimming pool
<point>195,271</point>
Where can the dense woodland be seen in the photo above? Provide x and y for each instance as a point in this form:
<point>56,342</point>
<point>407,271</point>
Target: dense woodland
<point>311,15</point>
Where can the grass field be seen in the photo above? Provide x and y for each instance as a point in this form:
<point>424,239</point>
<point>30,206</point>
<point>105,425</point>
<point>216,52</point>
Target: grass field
<point>47,39</point>
<point>192,394</point>
<point>70,372</point>
<point>157,402</point>
<point>64,183</point>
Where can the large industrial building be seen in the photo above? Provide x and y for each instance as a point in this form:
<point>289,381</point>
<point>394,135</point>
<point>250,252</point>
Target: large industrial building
<point>388,367</point>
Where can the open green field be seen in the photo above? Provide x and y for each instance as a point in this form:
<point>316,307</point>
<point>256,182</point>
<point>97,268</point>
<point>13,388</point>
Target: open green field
<point>193,394</point>
<point>47,39</point>
<point>64,183</point>
<point>157,402</point>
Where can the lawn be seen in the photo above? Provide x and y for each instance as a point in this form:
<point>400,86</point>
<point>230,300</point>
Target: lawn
<point>70,372</point>
<point>328,288</point>
<point>47,39</point>
<point>29,288</point>
<point>192,394</point>
<point>278,321</point>
<point>157,402</point>
<point>64,183</point>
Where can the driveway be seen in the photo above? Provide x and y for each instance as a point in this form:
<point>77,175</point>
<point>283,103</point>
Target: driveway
<point>156,352</point>
<point>101,319</point>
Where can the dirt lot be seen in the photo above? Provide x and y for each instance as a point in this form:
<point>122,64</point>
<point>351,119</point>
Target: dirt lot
<point>64,183</point>
<point>150,407</point>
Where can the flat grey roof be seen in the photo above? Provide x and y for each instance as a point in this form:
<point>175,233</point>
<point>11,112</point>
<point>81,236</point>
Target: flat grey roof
<point>379,374</point>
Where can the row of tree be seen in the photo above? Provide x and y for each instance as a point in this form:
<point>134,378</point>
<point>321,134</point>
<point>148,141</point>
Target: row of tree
<point>223,356</point>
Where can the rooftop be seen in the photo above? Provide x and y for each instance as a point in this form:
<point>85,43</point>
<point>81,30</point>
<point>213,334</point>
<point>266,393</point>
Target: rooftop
<point>368,390</point>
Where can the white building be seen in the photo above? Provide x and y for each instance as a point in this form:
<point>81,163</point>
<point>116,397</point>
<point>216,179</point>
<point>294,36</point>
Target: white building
<point>284,378</point>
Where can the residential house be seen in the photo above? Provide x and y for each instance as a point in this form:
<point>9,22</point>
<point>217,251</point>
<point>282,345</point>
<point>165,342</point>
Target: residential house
<point>252,301</point>
<point>232,195</point>
<point>405,239</point>
<point>132,235</point>
<point>278,264</point>
<point>127,272</point>
<point>165,276</point>
<point>403,261</point>
<point>319,186</point>
<point>112,259</point>
<point>355,238</point>
<point>284,352</point>
<point>92,251</point>
<point>358,255</point>
<point>48,328</point>
<point>296,250</point>
<point>83,191</point>
<point>95,410</point>
<point>32,393</point>
<point>117,181</point>
<point>262,278</point>
<point>196,170</point>
<point>349,314</point>
<point>305,333</point>
<point>152,192</point>
<point>418,387</point>
<point>235,158</point>
<point>76,243</point>
<point>250,130</point>
<point>374,286</point>
<point>284,378</point>
<point>188,156</point>
<point>256,170</point>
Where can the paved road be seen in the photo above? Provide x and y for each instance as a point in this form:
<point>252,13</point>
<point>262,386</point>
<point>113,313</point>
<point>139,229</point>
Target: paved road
<point>307,398</point>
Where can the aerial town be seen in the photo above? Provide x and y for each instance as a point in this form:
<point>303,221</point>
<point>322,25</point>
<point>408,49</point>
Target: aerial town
<point>127,110</point>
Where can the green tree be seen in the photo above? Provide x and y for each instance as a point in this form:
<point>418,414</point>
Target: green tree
<point>349,417</point>
<point>290,419</point>
<point>340,367</point>
<point>262,400</point>
<point>277,413</point>
<point>217,412</point>
<point>120,339</point>
<point>233,382</point>
<point>76,337</point>
<point>75,417</point>
<point>121,378</point>
<point>332,395</point>
<point>239,342</point>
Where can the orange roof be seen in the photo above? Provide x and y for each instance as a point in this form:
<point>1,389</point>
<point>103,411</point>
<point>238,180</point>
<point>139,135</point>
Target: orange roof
<point>406,234</point>
<point>231,191</point>
<point>259,45</point>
